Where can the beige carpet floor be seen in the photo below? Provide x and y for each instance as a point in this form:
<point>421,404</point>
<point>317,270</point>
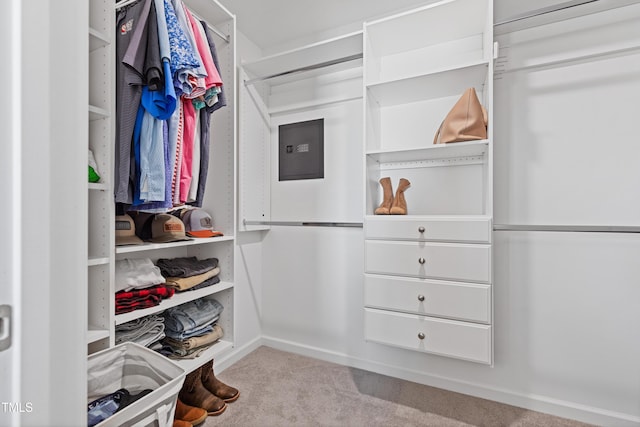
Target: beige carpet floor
<point>282,389</point>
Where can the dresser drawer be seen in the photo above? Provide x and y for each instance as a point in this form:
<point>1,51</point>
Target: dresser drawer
<point>453,229</point>
<point>470,263</point>
<point>462,301</point>
<point>468,341</point>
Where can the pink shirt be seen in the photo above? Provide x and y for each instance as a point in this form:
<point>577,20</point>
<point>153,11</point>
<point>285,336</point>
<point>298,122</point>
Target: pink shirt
<point>213,76</point>
<point>188,136</point>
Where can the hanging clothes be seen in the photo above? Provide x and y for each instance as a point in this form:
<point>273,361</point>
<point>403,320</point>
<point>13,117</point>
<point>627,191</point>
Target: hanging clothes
<point>169,83</point>
<point>183,56</point>
<point>205,123</point>
<point>131,30</point>
<point>195,165</point>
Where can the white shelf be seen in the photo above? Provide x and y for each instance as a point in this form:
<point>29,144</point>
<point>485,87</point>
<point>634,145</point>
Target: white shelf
<point>153,246</point>
<point>98,186</point>
<point>97,113</point>
<point>431,152</point>
<point>400,218</point>
<point>95,334</point>
<point>306,56</point>
<point>213,352</point>
<point>428,25</point>
<point>177,299</point>
<point>437,84</point>
<point>93,261</point>
<point>97,40</point>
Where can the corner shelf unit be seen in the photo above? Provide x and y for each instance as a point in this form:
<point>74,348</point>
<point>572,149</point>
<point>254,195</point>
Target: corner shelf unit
<point>218,201</point>
<point>219,197</point>
<point>423,269</point>
<point>101,104</point>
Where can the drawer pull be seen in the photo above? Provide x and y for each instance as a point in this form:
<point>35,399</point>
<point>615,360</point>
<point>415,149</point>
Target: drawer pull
<point>420,298</point>
<point>422,260</point>
<point>421,229</point>
<point>421,335</point>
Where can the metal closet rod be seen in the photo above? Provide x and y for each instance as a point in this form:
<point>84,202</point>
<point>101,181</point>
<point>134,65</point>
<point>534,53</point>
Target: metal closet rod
<point>217,32</point>
<point>545,10</point>
<point>306,68</point>
<point>568,228</point>
<point>305,223</point>
<point>496,227</point>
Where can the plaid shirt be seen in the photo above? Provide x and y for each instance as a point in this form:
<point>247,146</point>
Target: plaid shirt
<point>127,301</point>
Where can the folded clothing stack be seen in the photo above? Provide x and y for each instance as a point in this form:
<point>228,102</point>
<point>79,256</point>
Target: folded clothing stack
<point>189,273</point>
<point>139,284</point>
<point>143,298</point>
<point>191,328</point>
<point>145,331</point>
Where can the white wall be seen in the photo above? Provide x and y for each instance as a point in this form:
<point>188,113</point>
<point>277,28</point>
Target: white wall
<point>337,196</point>
<point>567,306</point>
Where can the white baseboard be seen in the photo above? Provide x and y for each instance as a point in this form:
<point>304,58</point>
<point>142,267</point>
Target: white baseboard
<point>560,408</point>
<point>228,359</point>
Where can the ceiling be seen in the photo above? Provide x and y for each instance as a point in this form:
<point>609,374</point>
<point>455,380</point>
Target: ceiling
<point>277,25</point>
<point>282,23</point>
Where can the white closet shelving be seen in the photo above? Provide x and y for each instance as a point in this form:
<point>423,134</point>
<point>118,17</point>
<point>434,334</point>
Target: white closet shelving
<point>428,274</point>
<point>303,79</point>
<point>303,62</point>
<point>219,198</point>
<point>101,106</point>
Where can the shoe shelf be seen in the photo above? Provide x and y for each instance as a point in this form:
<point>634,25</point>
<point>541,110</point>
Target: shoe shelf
<point>154,246</point>
<point>177,299</point>
<point>469,149</point>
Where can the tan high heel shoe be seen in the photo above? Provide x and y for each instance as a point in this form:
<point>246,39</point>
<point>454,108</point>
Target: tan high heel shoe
<point>399,206</point>
<point>387,197</point>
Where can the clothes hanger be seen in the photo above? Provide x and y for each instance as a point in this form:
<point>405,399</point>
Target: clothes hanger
<point>123,3</point>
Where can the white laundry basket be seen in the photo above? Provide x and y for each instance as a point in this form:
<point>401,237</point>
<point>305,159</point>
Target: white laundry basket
<point>136,368</point>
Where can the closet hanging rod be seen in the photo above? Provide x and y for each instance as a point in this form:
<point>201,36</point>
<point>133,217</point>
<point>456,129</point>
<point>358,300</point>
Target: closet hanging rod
<point>306,68</point>
<point>545,11</point>
<point>217,32</point>
<point>568,228</point>
<point>305,223</point>
<point>575,60</point>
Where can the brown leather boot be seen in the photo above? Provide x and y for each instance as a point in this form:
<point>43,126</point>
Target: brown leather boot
<point>180,423</point>
<point>387,197</point>
<point>190,414</point>
<point>215,386</point>
<point>193,393</point>
<point>399,206</point>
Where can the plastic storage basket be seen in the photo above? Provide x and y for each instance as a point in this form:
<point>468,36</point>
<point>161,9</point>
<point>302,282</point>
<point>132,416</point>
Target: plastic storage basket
<point>136,368</point>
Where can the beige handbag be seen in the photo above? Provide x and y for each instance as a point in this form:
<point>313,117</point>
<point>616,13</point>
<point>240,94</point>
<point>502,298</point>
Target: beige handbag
<point>467,121</point>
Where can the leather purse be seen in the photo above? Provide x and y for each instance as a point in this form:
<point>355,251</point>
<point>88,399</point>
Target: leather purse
<point>467,121</point>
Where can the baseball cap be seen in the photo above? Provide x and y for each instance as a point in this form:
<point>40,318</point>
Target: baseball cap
<point>143,222</point>
<point>167,228</point>
<point>198,223</point>
<point>126,231</point>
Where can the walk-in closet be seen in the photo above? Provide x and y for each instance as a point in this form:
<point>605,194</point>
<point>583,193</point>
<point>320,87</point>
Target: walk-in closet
<point>422,212</point>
